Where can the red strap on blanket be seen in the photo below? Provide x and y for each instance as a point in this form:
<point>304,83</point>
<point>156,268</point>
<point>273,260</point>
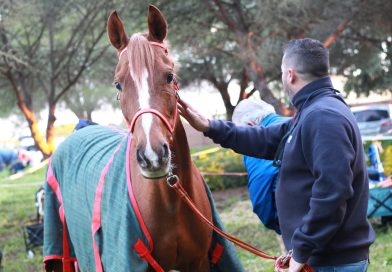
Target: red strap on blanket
<point>141,249</point>
<point>96,220</point>
<point>217,253</point>
<point>133,198</point>
<point>67,261</point>
<point>145,253</point>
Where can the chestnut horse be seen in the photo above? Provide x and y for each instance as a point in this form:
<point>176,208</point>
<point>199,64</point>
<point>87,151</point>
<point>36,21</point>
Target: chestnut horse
<point>145,81</point>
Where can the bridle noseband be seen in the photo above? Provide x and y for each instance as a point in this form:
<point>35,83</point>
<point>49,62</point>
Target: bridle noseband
<point>155,112</point>
<point>140,112</point>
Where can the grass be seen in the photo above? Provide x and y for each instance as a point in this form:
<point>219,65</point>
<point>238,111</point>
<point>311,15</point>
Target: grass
<point>240,221</point>
<point>17,209</point>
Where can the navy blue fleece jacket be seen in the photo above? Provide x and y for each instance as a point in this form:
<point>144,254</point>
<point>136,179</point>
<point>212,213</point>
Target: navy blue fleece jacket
<point>322,191</point>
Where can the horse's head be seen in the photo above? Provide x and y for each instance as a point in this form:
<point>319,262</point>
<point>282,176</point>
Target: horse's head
<point>144,78</point>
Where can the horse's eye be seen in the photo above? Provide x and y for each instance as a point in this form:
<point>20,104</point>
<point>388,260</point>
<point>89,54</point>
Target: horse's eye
<point>117,85</point>
<point>169,78</point>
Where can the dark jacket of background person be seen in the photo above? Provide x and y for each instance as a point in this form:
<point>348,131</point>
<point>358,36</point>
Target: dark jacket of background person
<point>262,176</point>
<point>322,191</point>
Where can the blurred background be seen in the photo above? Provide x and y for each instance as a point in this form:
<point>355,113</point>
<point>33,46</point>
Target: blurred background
<point>56,66</point>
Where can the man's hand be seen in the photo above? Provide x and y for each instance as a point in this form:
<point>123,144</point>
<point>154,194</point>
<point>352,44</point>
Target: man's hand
<point>195,119</point>
<point>294,266</point>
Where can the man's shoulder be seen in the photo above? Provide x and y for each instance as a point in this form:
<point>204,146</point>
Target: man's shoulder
<point>325,121</point>
<point>328,107</point>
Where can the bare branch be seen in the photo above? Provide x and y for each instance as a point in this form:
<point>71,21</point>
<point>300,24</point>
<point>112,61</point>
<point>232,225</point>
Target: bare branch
<point>251,93</point>
<point>222,13</point>
<point>342,26</point>
<point>86,63</point>
<point>14,58</point>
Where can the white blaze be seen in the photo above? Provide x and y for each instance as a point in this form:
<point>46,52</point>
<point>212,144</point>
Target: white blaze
<point>144,102</point>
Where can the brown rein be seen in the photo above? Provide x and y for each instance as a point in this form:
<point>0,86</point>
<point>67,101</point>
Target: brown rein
<point>280,262</point>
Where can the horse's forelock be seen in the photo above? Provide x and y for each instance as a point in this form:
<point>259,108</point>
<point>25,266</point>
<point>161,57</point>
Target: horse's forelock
<point>140,58</point>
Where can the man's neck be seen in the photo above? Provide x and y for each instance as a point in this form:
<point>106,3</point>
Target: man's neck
<point>298,86</point>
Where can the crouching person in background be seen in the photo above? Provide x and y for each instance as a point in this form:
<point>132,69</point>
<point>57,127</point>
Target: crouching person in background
<point>262,174</point>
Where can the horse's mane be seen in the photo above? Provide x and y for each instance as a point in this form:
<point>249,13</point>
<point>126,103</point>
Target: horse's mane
<point>140,57</point>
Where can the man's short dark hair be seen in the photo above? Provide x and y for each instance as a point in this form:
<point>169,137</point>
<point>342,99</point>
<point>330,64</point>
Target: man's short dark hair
<point>308,57</point>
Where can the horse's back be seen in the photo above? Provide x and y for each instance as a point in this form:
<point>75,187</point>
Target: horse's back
<point>88,147</point>
<point>77,165</point>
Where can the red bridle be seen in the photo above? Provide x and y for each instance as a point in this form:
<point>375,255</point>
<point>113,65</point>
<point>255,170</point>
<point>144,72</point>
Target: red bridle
<point>140,112</point>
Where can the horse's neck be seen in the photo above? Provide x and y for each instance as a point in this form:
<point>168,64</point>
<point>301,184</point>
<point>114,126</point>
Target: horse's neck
<point>180,149</point>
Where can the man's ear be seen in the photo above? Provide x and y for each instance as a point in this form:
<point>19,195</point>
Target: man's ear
<point>291,76</point>
<point>157,26</point>
<point>116,31</point>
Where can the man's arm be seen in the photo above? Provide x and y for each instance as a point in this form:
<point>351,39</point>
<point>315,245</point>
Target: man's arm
<point>329,152</point>
<point>253,141</point>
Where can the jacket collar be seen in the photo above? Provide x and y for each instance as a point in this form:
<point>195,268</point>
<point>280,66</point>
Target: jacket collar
<point>306,92</point>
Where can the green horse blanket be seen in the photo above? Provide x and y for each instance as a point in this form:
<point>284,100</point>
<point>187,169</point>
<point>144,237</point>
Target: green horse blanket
<point>90,167</point>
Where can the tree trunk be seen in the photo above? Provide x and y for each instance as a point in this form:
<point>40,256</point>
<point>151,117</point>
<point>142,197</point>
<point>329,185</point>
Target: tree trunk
<point>265,93</point>
<point>39,141</point>
<point>89,114</point>
<point>229,112</point>
<point>223,90</point>
<point>243,35</point>
<point>33,125</point>
<point>50,127</point>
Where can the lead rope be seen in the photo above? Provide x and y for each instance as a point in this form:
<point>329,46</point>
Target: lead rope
<point>281,262</point>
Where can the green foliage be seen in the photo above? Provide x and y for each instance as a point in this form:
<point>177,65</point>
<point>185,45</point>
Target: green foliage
<point>7,102</point>
<point>220,37</point>
<point>386,157</point>
<point>363,53</point>
<point>222,161</point>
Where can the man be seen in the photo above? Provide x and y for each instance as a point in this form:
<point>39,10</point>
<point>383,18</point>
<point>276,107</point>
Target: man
<point>322,191</point>
<point>261,173</point>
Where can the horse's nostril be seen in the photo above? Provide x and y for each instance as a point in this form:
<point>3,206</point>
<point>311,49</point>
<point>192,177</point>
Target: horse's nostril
<point>164,153</point>
<point>141,159</point>
<point>165,150</point>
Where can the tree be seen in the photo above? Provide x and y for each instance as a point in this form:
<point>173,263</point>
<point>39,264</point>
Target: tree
<point>47,46</point>
<point>88,97</point>
<point>249,35</point>
<point>93,90</point>
<point>364,50</point>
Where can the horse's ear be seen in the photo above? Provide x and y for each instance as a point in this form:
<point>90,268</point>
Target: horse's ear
<point>116,31</point>
<point>157,26</point>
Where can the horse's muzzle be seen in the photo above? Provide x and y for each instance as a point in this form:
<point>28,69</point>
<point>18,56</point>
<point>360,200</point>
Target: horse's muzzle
<point>154,164</point>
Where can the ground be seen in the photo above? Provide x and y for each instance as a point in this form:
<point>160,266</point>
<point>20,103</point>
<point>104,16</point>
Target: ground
<point>17,209</point>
